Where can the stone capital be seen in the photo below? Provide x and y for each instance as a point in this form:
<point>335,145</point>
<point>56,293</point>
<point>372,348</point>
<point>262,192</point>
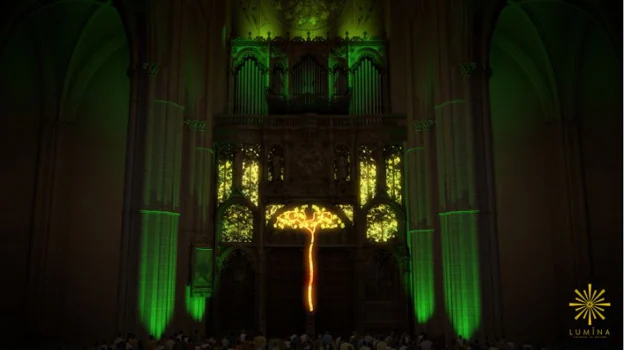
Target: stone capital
<point>423,125</point>
<point>195,125</point>
<point>151,68</point>
<point>471,68</point>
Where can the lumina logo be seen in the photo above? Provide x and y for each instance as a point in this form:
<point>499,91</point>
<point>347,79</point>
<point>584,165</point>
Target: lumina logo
<point>589,305</point>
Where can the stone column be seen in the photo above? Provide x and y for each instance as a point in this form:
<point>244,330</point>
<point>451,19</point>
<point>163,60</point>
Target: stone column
<point>469,289</point>
<point>161,164</point>
<point>197,226</point>
<point>419,156</point>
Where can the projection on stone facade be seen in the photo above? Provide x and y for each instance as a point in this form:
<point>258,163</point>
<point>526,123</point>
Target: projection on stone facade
<point>250,177</point>
<point>225,175</point>
<point>368,175</point>
<point>237,224</point>
<point>381,224</point>
<point>393,164</point>
<point>311,219</point>
<point>270,210</point>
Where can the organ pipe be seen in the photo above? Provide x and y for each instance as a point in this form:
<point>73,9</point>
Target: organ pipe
<point>367,89</point>
<point>249,88</point>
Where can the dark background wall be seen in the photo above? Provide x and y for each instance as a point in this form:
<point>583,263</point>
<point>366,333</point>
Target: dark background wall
<point>65,102</point>
<point>556,114</point>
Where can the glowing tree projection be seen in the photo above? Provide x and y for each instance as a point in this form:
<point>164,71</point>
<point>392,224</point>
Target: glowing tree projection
<point>311,219</point>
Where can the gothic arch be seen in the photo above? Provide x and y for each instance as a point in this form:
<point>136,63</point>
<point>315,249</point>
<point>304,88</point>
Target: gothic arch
<point>222,211</point>
<point>249,54</point>
<point>369,53</point>
<point>395,208</point>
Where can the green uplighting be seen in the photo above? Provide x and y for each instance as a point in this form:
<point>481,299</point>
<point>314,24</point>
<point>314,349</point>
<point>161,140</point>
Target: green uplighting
<point>157,272</point>
<point>195,306</point>
<point>422,281</point>
<point>460,257</point>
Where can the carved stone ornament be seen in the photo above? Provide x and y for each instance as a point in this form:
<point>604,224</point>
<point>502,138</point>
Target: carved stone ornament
<point>151,68</point>
<point>467,68</point>
<point>421,125</point>
<point>195,125</point>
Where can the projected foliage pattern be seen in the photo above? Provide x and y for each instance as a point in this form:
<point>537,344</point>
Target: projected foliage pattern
<point>347,210</point>
<point>270,210</point>
<point>250,179</point>
<point>225,176</point>
<point>368,175</point>
<point>381,224</point>
<point>237,224</point>
<point>394,181</point>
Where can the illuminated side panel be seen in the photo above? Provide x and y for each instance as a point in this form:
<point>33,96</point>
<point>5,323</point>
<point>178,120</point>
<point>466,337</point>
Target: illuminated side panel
<point>270,210</point>
<point>421,248</point>
<point>347,210</point>
<point>237,224</point>
<point>195,306</point>
<point>225,176</point>
<point>393,163</point>
<point>367,175</point>
<point>460,254</point>
<point>381,224</point>
<point>250,180</point>
<point>157,271</point>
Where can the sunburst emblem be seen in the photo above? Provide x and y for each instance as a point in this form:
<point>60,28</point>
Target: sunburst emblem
<point>589,304</point>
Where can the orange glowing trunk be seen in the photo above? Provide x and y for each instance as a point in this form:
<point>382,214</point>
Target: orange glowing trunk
<point>319,218</point>
<point>311,263</point>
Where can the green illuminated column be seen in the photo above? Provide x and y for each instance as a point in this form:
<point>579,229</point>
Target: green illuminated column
<point>197,226</point>
<point>461,194</point>
<point>420,230</point>
<point>420,192</point>
<point>162,160</point>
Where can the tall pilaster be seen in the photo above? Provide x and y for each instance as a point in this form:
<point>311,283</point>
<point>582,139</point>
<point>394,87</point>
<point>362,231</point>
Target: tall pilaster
<point>197,226</point>
<point>421,230</point>
<point>462,200</point>
<point>419,160</point>
<point>161,163</point>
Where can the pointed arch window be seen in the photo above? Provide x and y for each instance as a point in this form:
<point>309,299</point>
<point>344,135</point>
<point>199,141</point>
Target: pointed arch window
<point>381,224</point>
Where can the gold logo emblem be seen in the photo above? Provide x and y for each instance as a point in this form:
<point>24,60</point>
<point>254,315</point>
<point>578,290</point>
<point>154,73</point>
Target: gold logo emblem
<point>589,304</point>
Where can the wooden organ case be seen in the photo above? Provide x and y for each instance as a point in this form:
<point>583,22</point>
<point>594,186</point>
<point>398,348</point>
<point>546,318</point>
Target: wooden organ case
<point>308,105</point>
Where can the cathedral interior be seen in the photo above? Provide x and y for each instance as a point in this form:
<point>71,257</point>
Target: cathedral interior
<point>451,167</point>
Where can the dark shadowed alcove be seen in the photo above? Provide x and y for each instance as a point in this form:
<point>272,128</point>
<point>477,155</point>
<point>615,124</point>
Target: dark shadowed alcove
<point>237,307</point>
